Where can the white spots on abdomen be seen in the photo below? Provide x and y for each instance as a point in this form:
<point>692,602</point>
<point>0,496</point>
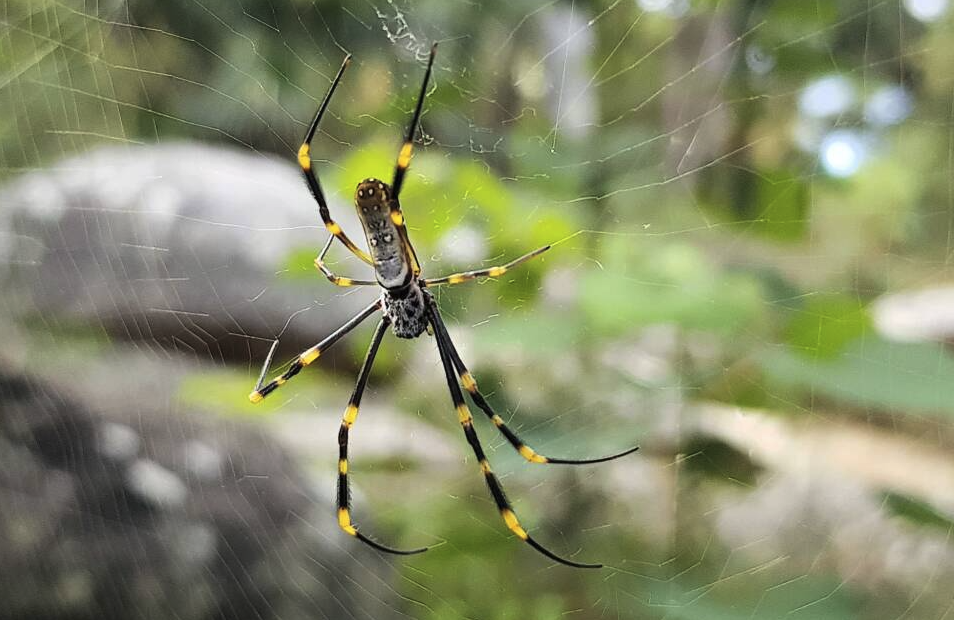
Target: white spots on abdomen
<point>408,314</point>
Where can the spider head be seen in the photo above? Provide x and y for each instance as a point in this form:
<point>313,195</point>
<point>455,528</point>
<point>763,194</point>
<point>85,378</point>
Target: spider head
<point>372,195</point>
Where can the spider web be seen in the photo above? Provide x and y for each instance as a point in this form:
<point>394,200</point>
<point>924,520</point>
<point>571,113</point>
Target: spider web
<point>751,206</point>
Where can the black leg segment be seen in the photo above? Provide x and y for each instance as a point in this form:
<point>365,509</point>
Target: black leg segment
<point>351,413</point>
<point>467,423</point>
<point>307,168</point>
<point>306,357</point>
<point>470,384</point>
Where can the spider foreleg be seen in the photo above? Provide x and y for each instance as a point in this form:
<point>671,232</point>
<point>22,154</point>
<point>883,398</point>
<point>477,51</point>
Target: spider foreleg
<point>307,168</point>
<point>407,149</point>
<point>400,169</point>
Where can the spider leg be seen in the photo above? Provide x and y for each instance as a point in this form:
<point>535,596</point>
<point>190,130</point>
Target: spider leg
<point>492,272</point>
<point>467,423</point>
<point>400,169</point>
<point>305,161</point>
<point>336,279</point>
<point>470,384</point>
<point>351,413</point>
<point>404,157</point>
<point>306,357</point>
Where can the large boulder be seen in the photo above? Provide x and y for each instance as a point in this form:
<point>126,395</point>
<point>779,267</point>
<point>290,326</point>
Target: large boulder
<point>183,244</point>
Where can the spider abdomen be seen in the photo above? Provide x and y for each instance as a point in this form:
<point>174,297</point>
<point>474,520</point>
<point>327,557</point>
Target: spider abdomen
<point>408,314</point>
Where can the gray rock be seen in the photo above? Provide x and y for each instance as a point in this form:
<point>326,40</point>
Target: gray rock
<point>181,244</point>
<point>162,514</point>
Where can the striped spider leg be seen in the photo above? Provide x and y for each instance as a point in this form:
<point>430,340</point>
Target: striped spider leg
<point>332,277</point>
<point>306,357</point>
<point>307,168</point>
<point>492,272</point>
<point>470,384</point>
<point>350,415</point>
<point>451,360</point>
<point>400,169</point>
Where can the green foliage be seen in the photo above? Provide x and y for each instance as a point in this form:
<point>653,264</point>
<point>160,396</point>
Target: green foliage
<point>914,379</point>
<point>825,324</point>
<point>668,283</point>
<point>541,335</point>
<point>918,512</point>
<point>227,392</point>
<point>782,204</point>
<point>801,599</point>
<point>300,264</point>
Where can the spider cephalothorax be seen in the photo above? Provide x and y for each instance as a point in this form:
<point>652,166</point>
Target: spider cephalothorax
<point>409,310</point>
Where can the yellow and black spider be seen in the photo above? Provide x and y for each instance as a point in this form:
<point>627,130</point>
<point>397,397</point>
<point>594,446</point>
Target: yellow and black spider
<point>409,310</point>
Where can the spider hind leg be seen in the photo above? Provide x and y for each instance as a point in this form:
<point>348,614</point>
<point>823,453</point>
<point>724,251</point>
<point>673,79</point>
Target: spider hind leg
<point>467,424</point>
<point>470,384</point>
<point>347,421</point>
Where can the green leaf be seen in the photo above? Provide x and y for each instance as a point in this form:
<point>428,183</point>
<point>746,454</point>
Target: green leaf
<point>870,372</point>
<point>917,511</point>
<point>228,392</point>
<point>675,284</point>
<point>371,160</point>
<point>808,598</point>
<point>537,334</point>
<point>300,264</point>
<point>825,324</point>
<point>782,204</point>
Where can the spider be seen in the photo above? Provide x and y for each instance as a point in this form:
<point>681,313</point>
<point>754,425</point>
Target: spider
<point>409,310</point>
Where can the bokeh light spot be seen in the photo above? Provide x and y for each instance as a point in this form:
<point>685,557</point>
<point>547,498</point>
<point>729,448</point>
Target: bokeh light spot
<point>842,152</point>
<point>926,10</point>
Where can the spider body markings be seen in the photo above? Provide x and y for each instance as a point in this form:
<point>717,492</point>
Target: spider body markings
<point>390,256</point>
<point>409,310</point>
<point>402,297</point>
<point>408,314</point>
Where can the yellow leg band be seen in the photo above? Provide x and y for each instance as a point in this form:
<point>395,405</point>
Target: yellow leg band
<point>469,384</point>
<point>463,414</point>
<point>397,217</point>
<point>309,356</point>
<point>304,157</point>
<point>333,228</point>
<point>342,466</point>
<point>511,520</point>
<point>350,415</point>
<point>404,159</point>
<point>344,521</point>
<point>256,397</point>
<point>528,453</point>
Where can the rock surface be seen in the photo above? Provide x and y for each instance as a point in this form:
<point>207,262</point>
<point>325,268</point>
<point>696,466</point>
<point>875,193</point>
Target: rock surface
<point>160,514</point>
<point>184,244</point>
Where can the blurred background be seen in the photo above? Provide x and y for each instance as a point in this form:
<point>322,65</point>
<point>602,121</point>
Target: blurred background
<point>753,208</point>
